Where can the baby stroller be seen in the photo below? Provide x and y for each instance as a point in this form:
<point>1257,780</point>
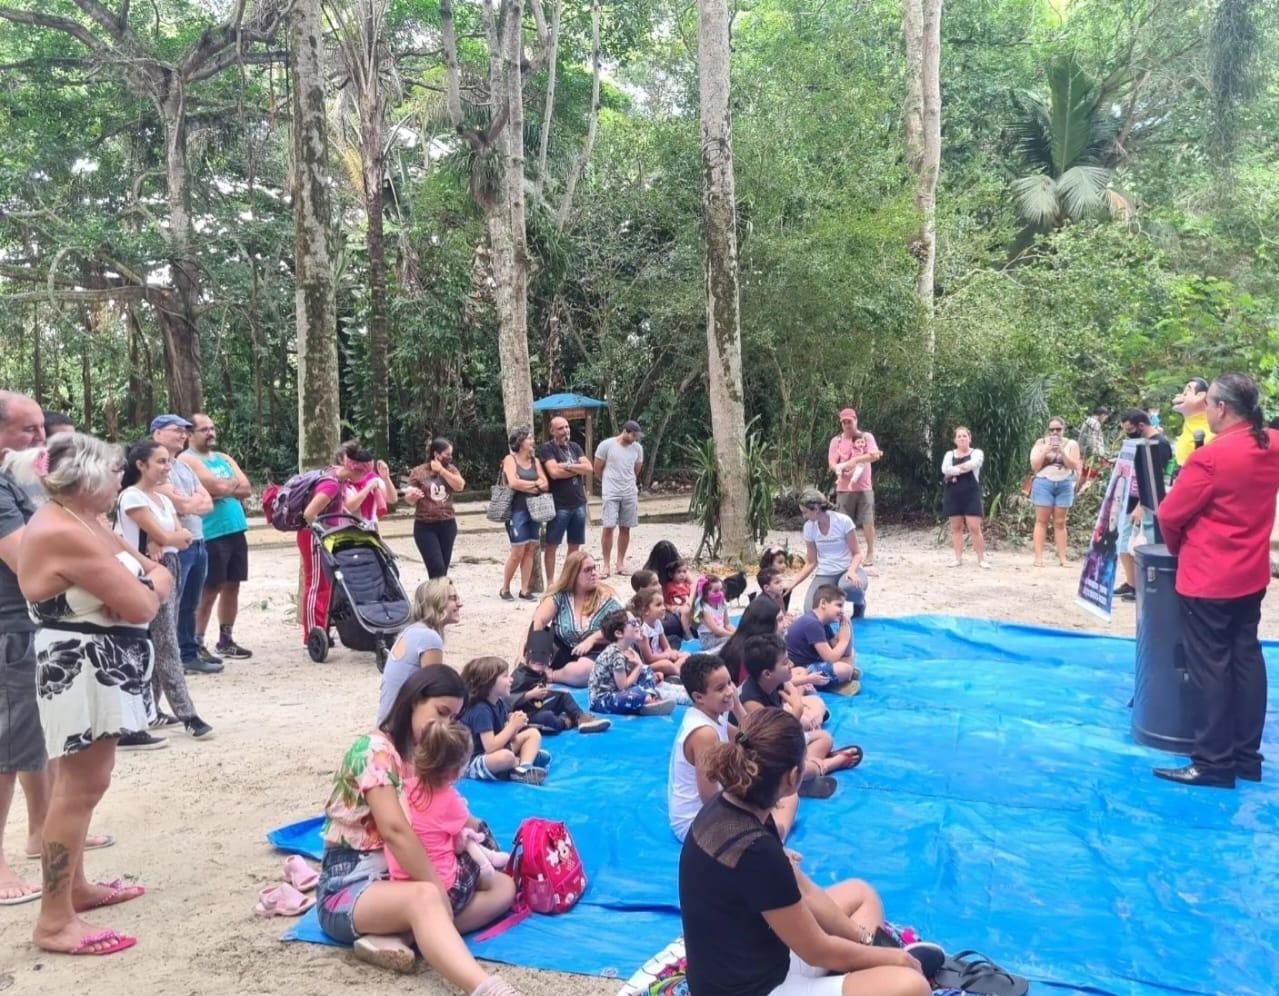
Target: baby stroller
<point>368,606</point>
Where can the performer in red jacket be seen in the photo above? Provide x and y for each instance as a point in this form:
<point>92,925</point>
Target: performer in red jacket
<point>1217,519</point>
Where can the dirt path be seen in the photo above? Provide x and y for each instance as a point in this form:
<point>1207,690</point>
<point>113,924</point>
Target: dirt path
<point>191,818</point>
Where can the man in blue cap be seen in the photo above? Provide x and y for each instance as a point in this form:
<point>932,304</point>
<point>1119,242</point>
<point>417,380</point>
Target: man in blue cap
<point>192,500</point>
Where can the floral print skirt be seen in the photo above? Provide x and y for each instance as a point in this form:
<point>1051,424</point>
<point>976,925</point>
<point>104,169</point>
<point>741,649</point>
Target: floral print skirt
<point>91,684</point>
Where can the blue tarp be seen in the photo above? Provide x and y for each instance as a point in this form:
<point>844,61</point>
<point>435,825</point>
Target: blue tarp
<point>1002,806</point>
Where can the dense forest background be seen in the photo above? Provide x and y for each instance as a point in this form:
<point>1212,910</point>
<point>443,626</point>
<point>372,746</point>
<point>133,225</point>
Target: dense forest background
<point>1107,221</point>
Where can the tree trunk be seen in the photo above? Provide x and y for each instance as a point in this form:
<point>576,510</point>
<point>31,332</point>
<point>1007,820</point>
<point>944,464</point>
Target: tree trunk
<point>317,357</point>
<point>723,316</point>
<point>182,336</point>
<point>510,255</point>
<point>37,360</point>
<point>921,30</point>
<point>374,170</point>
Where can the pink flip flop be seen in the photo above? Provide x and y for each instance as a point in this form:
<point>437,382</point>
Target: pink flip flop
<point>117,942</point>
<point>299,874</point>
<point>282,900</point>
<point>121,892</point>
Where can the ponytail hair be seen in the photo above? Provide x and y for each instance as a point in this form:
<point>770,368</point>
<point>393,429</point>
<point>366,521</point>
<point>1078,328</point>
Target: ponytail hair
<point>1238,392</point>
<point>753,764</point>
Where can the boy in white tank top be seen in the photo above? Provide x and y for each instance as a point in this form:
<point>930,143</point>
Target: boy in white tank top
<point>705,678</point>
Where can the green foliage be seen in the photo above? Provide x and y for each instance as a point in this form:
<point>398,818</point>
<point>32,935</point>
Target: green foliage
<point>706,500</point>
<point>1094,311</point>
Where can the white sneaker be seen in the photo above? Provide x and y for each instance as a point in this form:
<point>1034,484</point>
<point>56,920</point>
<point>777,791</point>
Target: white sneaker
<point>984,564</point>
<point>957,563</point>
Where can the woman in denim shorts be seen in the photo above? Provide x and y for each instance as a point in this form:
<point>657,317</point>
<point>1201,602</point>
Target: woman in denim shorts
<point>1055,461</point>
<point>355,900</point>
<point>524,473</point>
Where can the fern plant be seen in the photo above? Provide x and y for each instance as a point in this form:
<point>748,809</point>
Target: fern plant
<point>705,503</point>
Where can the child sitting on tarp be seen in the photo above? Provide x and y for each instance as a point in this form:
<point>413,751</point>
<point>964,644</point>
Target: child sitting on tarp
<point>649,606</point>
<point>811,645</point>
<point>549,710</point>
<point>705,724</point>
<point>620,681</point>
<point>460,848</point>
<point>710,613</point>
<point>504,745</point>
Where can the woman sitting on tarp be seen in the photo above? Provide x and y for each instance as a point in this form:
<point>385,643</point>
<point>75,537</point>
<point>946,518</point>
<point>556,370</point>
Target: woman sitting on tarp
<point>755,923</point>
<point>356,901</point>
<point>573,609</point>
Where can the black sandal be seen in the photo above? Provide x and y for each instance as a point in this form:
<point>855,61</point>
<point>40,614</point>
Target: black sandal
<point>506,596</point>
<point>821,787</point>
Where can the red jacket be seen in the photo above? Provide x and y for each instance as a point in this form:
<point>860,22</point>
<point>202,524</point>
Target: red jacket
<point>1218,516</point>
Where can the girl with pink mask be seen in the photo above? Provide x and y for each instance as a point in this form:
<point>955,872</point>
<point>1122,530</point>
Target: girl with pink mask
<point>710,614</point>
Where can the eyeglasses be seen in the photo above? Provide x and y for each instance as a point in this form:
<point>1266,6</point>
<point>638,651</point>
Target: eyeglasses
<point>632,622</point>
<point>1054,428</point>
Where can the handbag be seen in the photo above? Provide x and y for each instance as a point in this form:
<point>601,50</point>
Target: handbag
<point>501,495</point>
<point>541,508</point>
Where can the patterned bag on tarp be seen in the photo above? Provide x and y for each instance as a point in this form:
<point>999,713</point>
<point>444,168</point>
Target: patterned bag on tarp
<point>548,873</point>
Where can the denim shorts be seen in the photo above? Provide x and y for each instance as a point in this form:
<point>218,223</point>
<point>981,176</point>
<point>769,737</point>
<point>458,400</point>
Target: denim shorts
<point>1052,494</point>
<point>344,875</point>
<point>570,522</point>
<point>520,527</point>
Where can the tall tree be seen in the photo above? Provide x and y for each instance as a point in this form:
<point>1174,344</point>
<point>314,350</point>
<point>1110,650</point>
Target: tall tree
<point>317,356</point>
<point>150,69</point>
<point>921,29</point>
<point>723,306</point>
<point>361,37</point>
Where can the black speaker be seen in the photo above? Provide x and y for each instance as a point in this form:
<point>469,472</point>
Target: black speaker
<point>1163,706</point>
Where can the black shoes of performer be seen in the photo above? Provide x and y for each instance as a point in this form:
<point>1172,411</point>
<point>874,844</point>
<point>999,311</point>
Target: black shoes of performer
<point>1252,774</point>
<point>1193,775</point>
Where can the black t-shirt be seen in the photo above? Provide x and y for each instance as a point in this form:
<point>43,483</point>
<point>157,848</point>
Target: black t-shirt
<point>568,492</point>
<point>16,510</point>
<point>1161,451</point>
<point>731,870</point>
<point>751,692</point>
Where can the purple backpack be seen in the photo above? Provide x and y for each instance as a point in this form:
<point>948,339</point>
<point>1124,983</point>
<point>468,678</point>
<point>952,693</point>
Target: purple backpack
<point>283,504</point>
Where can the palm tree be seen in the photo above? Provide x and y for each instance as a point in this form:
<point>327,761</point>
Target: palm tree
<point>1068,139</point>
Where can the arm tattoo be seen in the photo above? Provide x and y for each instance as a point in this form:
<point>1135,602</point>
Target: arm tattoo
<point>56,866</point>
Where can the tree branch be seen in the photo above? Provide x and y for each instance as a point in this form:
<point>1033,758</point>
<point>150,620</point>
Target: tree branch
<point>235,55</point>
<point>67,26</point>
<point>552,61</point>
<point>592,126</point>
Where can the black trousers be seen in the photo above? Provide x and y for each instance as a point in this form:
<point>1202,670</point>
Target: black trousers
<point>435,543</point>
<point>1223,656</point>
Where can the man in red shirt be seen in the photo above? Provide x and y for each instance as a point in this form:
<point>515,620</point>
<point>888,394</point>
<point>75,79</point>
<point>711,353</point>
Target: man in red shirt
<point>1217,519</point>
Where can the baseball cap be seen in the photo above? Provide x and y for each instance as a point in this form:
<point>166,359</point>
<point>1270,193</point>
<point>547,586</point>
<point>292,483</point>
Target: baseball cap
<point>813,498</point>
<point>848,413</point>
<point>633,428</point>
<point>164,421</point>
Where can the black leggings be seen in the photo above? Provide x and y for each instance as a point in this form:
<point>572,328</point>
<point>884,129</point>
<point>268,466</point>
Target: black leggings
<point>435,543</point>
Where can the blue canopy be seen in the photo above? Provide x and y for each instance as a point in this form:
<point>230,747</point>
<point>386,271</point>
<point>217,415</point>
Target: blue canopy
<point>557,401</point>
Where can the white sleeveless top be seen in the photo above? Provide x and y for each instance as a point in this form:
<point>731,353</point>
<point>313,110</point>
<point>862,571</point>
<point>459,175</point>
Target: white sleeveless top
<point>682,801</point>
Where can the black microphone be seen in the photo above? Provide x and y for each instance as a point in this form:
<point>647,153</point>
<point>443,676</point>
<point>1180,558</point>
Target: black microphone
<point>1198,437</point>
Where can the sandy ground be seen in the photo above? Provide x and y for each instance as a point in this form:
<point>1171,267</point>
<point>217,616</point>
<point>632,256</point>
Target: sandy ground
<point>191,819</point>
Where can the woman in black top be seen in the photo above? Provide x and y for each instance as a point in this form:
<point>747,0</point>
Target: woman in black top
<point>961,495</point>
<point>754,924</point>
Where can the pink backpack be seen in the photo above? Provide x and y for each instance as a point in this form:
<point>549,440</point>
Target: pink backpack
<point>548,873</point>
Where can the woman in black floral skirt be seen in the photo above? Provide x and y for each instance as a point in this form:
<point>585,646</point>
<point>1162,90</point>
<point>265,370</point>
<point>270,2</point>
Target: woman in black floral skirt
<point>93,599</point>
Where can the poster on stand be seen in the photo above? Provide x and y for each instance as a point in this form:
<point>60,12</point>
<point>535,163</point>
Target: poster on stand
<point>1097,580</point>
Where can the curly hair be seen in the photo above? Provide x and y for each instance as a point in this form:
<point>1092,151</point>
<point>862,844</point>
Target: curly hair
<point>751,766</point>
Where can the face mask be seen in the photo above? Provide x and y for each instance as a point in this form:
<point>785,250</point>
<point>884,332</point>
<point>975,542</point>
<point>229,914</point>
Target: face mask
<point>1136,434</point>
<point>716,599</point>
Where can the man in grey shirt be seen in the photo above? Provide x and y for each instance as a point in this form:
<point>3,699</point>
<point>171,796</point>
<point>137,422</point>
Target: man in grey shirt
<point>191,501</point>
<point>618,462</point>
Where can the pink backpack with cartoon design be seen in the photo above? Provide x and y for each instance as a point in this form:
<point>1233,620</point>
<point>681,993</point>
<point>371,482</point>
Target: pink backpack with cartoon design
<point>548,873</point>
